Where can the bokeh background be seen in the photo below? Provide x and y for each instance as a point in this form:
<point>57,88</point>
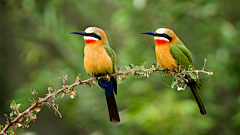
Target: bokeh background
<point>36,49</point>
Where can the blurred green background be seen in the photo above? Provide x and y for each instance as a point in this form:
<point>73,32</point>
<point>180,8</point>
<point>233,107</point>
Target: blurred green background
<point>36,48</point>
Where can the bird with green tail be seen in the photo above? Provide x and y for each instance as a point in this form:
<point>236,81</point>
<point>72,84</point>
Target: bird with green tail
<point>172,53</point>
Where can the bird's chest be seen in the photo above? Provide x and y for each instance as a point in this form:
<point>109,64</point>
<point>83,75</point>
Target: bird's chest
<point>96,60</point>
<point>165,58</point>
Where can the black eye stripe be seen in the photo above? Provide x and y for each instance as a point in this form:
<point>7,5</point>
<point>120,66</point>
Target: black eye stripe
<point>96,36</point>
<point>93,35</point>
<point>165,36</point>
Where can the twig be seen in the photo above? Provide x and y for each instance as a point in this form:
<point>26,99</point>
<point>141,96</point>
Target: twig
<point>35,95</point>
<point>205,61</point>
<point>30,115</point>
<point>121,66</point>
<point>54,108</point>
<point>79,82</point>
<point>16,109</point>
<point>144,64</point>
<point>147,73</point>
<point>22,124</point>
<point>8,118</point>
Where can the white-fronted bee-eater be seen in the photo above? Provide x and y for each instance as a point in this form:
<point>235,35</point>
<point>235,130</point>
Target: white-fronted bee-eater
<point>99,60</point>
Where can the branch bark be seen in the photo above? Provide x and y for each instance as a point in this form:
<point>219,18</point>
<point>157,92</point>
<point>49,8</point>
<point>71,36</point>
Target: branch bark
<point>131,71</point>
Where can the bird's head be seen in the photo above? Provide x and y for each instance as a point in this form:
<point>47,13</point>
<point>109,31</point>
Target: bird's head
<point>162,36</point>
<point>92,35</point>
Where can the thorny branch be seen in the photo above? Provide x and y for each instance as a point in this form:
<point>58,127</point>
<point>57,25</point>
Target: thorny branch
<point>131,70</point>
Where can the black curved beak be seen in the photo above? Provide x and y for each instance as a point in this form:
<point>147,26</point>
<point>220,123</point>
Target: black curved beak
<point>150,33</point>
<point>159,35</point>
<point>79,32</point>
<point>83,33</point>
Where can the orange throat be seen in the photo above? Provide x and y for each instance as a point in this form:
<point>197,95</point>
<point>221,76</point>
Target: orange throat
<point>160,41</point>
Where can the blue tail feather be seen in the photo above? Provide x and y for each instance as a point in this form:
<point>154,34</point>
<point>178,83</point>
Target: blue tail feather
<point>107,86</point>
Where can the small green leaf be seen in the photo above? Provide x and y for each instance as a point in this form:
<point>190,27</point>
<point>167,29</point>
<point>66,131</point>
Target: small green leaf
<point>19,125</point>
<point>154,65</point>
<point>12,105</point>
<point>140,72</point>
<point>174,84</point>
<point>32,91</point>
<point>48,105</point>
<point>127,67</point>
<point>50,88</point>
<point>136,75</point>
<point>145,74</point>
<point>63,95</point>
<point>193,76</point>
<point>131,66</point>
<point>18,105</point>
<point>1,127</point>
<point>10,131</point>
<point>31,99</point>
<point>133,72</point>
<point>175,77</point>
<point>160,68</point>
<point>42,104</point>
<point>151,70</point>
<point>70,88</point>
<point>11,114</point>
<point>54,96</point>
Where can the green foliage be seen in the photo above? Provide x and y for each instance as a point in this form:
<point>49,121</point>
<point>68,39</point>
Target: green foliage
<point>30,113</point>
<point>36,49</point>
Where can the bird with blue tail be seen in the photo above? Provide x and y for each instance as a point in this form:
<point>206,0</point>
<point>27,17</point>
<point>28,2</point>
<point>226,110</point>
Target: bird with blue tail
<point>99,60</point>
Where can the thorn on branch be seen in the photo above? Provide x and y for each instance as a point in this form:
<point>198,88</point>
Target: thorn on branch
<point>35,95</point>
<point>147,73</point>
<point>16,109</point>
<point>8,118</point>
<point>124,76</point>
<point>65,79</point>
<point>30,114</point>
<point>54,108</point>
<point>89,84</point>
<point>49,90</point>
<point>24,126</point>
<point>205,61</point>
<point>144,64</point>
<point>121,66</point>
<point>78,80</point>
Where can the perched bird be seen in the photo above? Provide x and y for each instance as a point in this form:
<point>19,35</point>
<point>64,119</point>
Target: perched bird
<point>99,60</point>
<point>171,53</point>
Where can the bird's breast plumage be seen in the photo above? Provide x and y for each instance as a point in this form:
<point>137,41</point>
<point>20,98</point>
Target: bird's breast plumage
<point>164,57</point>
<point>96,60</point>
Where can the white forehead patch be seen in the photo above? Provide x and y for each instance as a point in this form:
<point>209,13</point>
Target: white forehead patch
<point>89,38</point>
<point>89,29</point>
<point>161,38</point>
<point>161,31</point>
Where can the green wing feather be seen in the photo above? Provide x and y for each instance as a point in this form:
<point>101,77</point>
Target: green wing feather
<point>112,55</point>
<point>184,57</point>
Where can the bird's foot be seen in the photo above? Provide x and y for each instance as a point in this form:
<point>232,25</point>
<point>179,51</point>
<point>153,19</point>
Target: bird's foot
<point>165,71</point>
